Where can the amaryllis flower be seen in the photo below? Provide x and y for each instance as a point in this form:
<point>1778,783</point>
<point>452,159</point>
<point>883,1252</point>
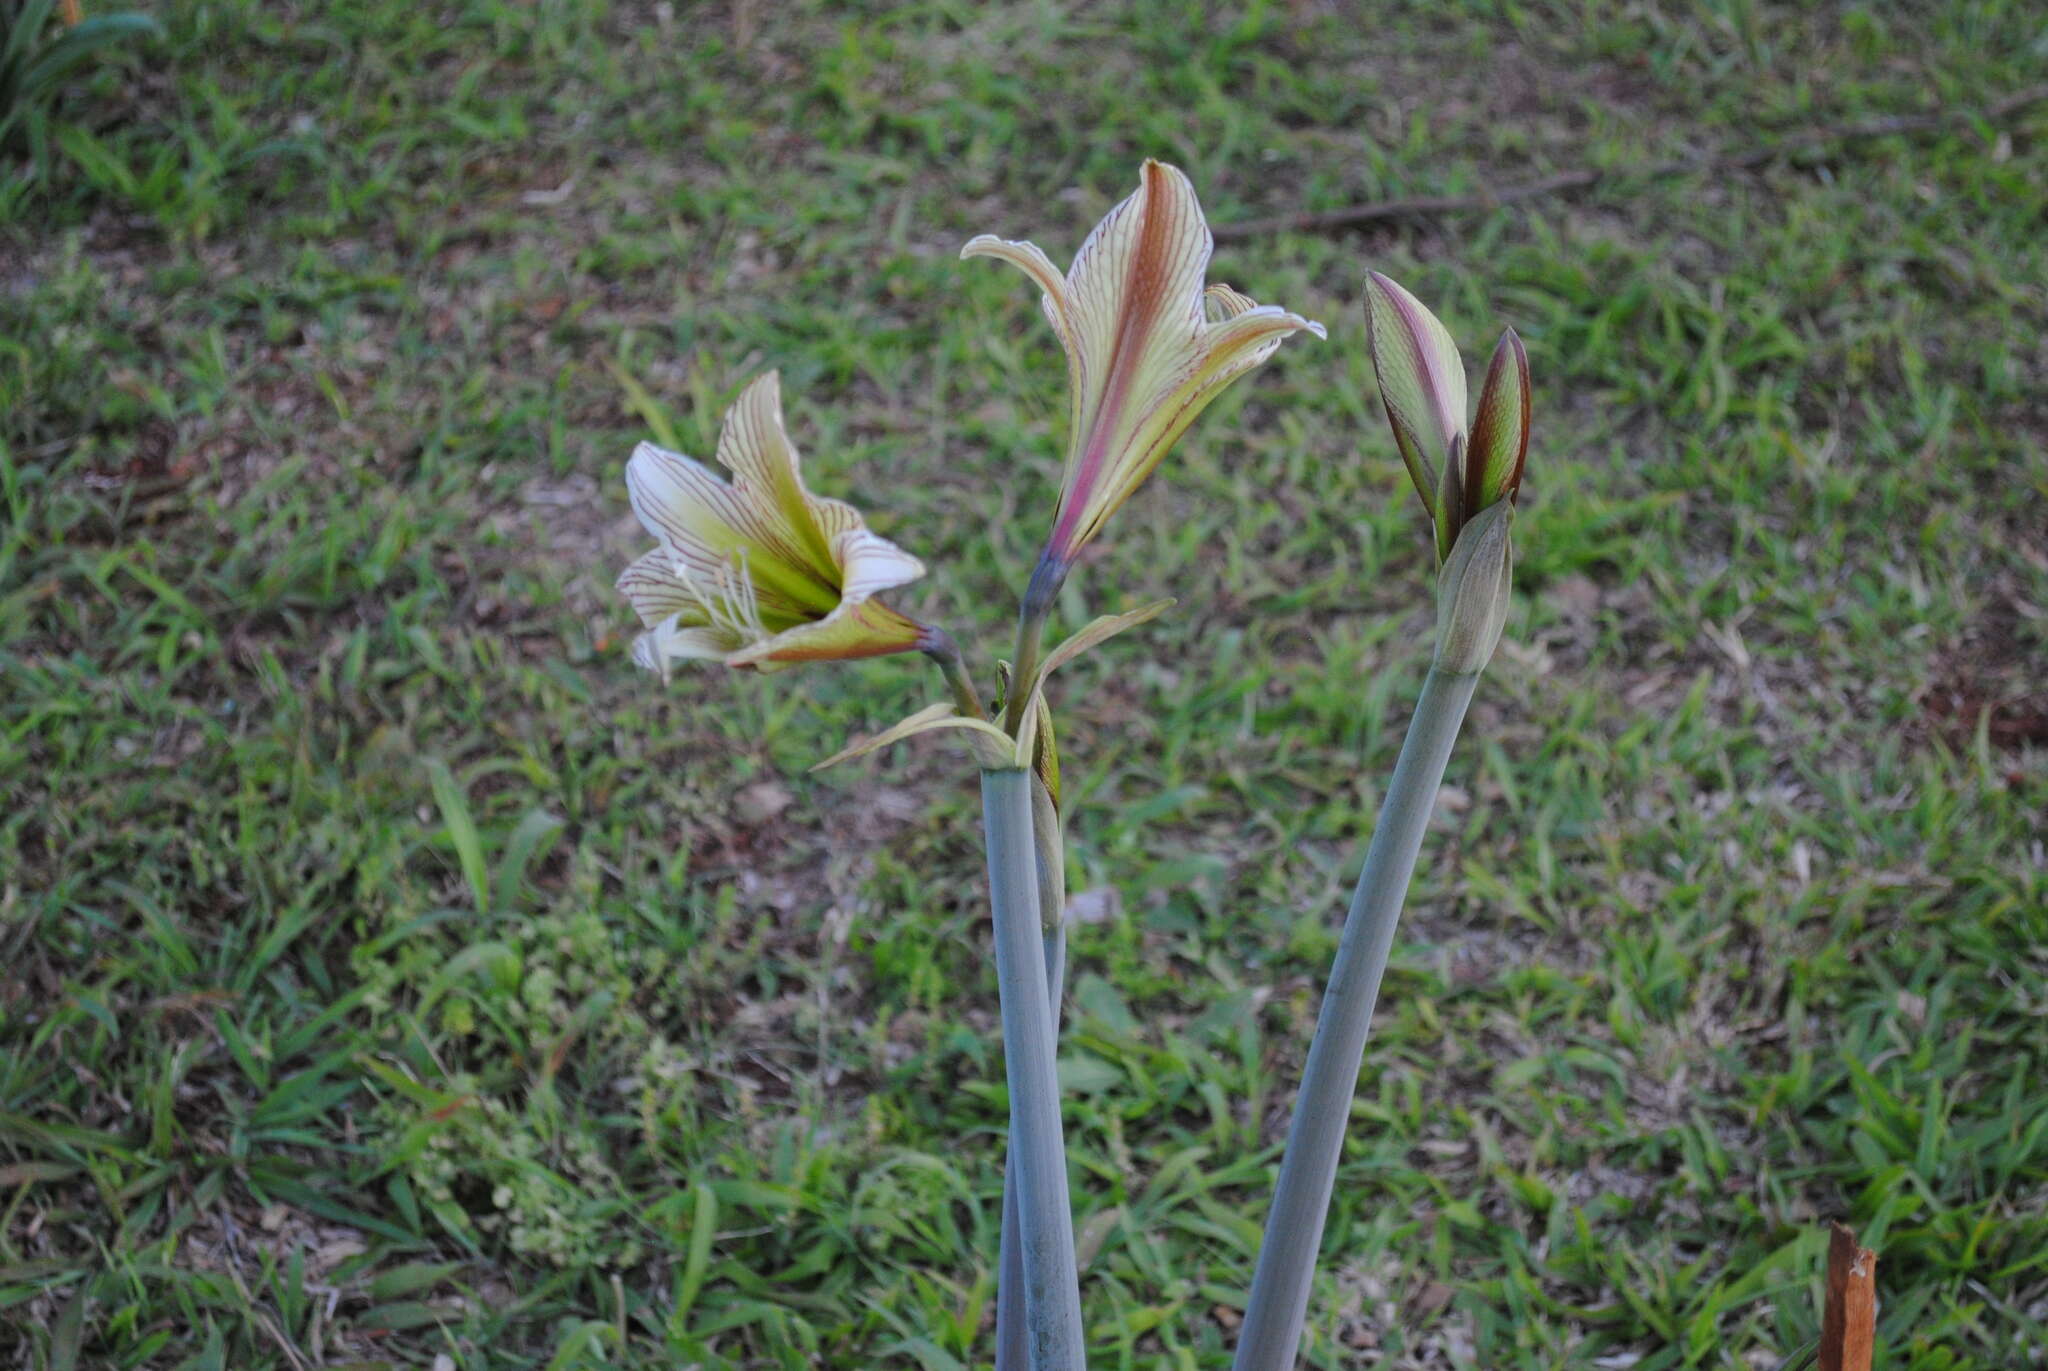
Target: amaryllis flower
<point>757,572</point>
<point>1458,471</point>
<point>1148,347</point>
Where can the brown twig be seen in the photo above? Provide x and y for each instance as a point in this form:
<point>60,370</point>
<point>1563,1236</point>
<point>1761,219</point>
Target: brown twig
<point>1351,216</point>
<point>1848,1323</point>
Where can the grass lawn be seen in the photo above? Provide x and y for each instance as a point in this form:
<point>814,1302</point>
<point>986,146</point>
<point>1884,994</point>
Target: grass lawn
<point>392,976</point>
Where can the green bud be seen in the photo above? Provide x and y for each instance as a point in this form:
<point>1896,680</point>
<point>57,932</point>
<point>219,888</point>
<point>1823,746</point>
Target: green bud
<point>1472,592</point>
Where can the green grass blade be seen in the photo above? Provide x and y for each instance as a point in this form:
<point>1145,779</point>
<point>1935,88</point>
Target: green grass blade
<point>79,45</point>
<point>469,847</point>
<point>697,1261</point>
<point>529,839</point>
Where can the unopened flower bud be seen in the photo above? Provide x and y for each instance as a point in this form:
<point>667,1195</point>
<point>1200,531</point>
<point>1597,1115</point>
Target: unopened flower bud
<point>1458,468</point>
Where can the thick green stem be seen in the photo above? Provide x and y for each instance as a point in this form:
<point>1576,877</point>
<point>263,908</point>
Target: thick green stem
<point>1046,579</point>
<point>1301,1202</point>
<point>1030,646</point>
<point>1012,1352</point>
<point>1045,1224</point>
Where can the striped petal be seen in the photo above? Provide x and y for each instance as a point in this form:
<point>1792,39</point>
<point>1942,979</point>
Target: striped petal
<point>1224,352</point>
<point>693,513</point>
<point>1029,259</point>
<point>704,523</point>
<point>870,564</point>
<point>654,590</point>
<point>857,628</point>
<point>755,448</point>
<point>1225,302</point>
<point>1136,288</point>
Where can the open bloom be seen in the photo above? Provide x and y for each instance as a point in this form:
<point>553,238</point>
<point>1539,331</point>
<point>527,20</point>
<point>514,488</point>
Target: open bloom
<point>757,572</point>
<point>1458,471</point>
<point>1147,346</point>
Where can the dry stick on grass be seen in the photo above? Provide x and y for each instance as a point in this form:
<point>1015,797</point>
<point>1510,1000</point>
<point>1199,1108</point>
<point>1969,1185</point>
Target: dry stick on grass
<point>1848,1322</point>
<point>1354,215</point>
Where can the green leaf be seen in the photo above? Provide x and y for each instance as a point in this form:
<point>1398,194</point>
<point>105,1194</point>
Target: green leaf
<point>530,839</point>
<point>583,1341</point>
<point>57,60</point>
<point>703,1223</point>
<point>469,848</point>
<point>410,1278</point>
<point>69,1333</point>
<point>1097,631</point>
<point>992,746</point>
<point>648,408</point>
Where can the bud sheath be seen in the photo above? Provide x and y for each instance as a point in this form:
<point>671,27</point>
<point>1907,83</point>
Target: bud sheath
<point>1472,592</point>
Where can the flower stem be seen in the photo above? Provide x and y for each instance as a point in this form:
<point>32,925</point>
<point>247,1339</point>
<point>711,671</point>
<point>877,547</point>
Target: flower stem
<point>1045,1224</point>
<point>1301,1201</point>
<point>938,645</point>
<point>1046,579</point>
<point>1012,1354</point>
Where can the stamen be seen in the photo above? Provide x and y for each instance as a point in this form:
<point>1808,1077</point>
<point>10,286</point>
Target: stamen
<point>749,601</point>
<point>732,603</point>
<point>689,583</point>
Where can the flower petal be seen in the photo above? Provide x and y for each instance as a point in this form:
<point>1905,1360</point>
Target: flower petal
<point>656,593</point>
<point>683,503</point>
<point>1140,273</point>
<point>870,564</point>
<point>1500,433</point>
<point>1225,302</point>
<point>706,523</point>
<point>1224,352</point>
<point>1247,338</point>
<point>672,641</point>
<point>1136,293</point>
<point>1030,259</point>
<point>754,446</point>
<point>857,628</point>
<point>1421,377</point>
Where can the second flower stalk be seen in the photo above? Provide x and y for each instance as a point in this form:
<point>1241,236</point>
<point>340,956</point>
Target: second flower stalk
<point>1468,480</point>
